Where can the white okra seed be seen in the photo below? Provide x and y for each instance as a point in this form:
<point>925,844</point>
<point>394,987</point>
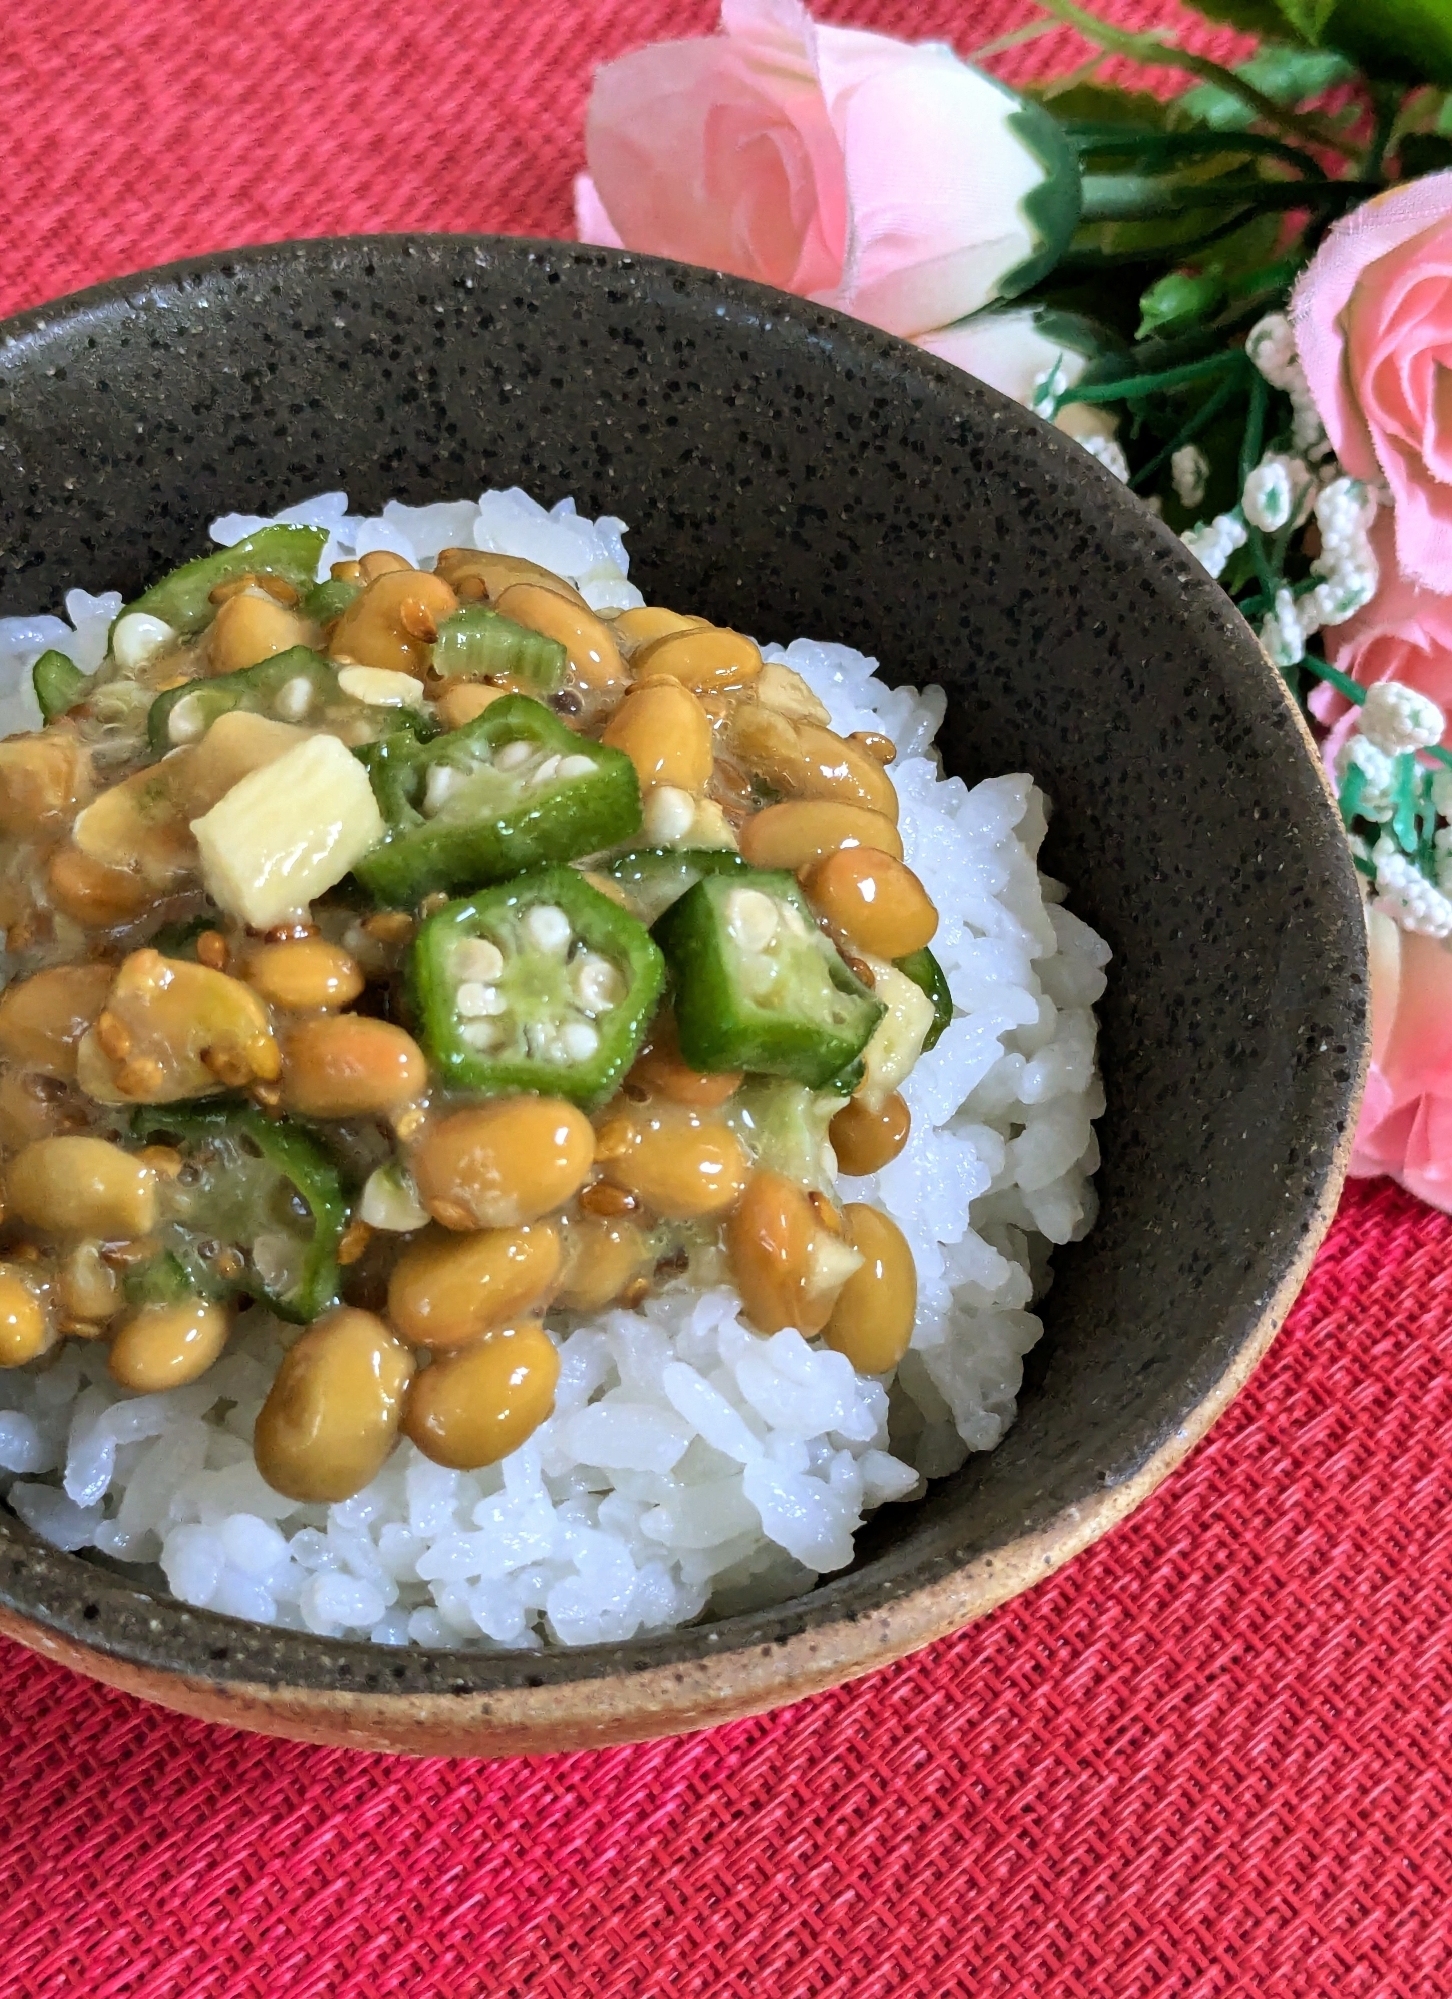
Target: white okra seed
<point>511,755</point>
<point>548,929</point>
<point>594,982</point>
<point>474,1001</point>
<point>668,815</point>
<point>580,1041</point>
<point>442,780</point>
<point>576,766</point>
<point>186,721</point>
<point>477,958</point>
<point>751,918</point>
<point>294,698</point>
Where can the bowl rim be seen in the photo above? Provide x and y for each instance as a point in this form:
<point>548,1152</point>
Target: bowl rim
<point>513,1703</point>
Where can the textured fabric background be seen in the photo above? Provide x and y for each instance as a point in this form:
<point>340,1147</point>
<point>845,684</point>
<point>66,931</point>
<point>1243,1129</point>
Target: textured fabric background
<point>1208,1759</point>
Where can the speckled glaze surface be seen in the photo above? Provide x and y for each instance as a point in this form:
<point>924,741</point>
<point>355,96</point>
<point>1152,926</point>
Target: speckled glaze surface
<point>785,471</point>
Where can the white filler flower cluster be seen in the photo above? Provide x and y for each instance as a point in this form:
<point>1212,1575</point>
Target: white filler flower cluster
<point>1397,721</point>
<point>1281,492</point>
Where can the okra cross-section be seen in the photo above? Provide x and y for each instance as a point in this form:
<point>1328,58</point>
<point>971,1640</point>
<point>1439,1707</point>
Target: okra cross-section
<point>514,789</point>
<point>256,1210</point>
<point>652,878</point>
<point>183,599</point>
<point>539,984</point>
<point>477,641</point>
<point>297,686</point>
<point>757,984</point>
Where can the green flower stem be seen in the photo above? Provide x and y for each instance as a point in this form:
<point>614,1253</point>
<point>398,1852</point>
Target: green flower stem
<point>1145,197</point>
<point>1189,431</point>
<point>1342,682</point>
<point>1117,139</point>
<point>1252,438</point>
<point>1133,388</point>
<point>1269,580</point>
<point>1388,102</point>
<point>1352,787</point>
<point>1098,263</point>
<point>1153,48</point>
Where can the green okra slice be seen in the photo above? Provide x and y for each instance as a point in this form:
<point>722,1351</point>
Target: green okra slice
<point>476,642</point>
<point>183,599</point>
<point>327,601</point>
<point>757,985</point>
<point>256,1211</point>
<point>655,877</point>
<point>298,685</point>
<point>58,683</point>
<point>513,789</point>
<point>539,984</point>
<point>927,975</point>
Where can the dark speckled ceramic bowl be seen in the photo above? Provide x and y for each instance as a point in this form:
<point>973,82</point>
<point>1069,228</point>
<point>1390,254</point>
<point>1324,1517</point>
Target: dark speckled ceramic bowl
<point>785,471</point>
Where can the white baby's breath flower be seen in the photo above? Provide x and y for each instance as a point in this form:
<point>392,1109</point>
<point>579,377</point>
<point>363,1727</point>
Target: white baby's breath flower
<point>1271,345</point>
<point>1283,635</point>
<point>1398,718</point>
<point>1345,510</point>
<point>1213,546</point>
<point>1405,894</point>
<point>1110,454</point>
<point>1378,771</point>
<point>1189,469</point>
<point>1278,491</point>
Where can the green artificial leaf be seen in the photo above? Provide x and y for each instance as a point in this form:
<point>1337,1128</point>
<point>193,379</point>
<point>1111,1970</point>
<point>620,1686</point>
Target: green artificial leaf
<point>1052,207</point>
<point>1395,41</point>
<point>1256,17</point>
<point>1291,76</point>
<point>1424,153</point>
<point>1100,104</point>
<point>1308,17</point>
<point>1178,301</point>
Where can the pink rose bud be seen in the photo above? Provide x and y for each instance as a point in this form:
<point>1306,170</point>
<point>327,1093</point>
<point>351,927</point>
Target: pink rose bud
<point>894,182</point>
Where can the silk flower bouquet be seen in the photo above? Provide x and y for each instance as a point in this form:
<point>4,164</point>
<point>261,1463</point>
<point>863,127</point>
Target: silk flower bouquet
<point>1239,299</point>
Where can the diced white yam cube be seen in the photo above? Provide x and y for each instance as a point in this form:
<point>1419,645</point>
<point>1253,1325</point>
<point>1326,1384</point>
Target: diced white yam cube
<point>286,833</point>
<point>898,1038</point>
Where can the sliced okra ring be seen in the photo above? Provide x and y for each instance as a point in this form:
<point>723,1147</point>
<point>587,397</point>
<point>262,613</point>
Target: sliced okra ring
<point>477,641</point>
<point>758,986</point>
<point>539,984</point>
<point>183,599</point>
<point>257,1210</point>
<point>655,877</point>
<point>512,790</point>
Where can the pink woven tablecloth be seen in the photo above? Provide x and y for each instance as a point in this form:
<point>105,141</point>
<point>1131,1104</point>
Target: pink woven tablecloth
<point>1209,1758</point>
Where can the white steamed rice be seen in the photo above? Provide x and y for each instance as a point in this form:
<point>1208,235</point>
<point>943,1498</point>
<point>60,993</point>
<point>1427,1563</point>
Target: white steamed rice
<point>689,1462</point>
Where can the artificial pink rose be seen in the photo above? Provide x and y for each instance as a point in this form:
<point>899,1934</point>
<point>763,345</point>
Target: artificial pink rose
<point>894,182</point>
<point>1404,633</point>
<point>1405,1128</point>
<point>1373,321</point>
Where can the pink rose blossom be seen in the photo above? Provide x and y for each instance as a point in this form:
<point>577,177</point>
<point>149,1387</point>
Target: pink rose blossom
<point>1405,1127</point>
<point>1373,322</point>
<point>893,182</point>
